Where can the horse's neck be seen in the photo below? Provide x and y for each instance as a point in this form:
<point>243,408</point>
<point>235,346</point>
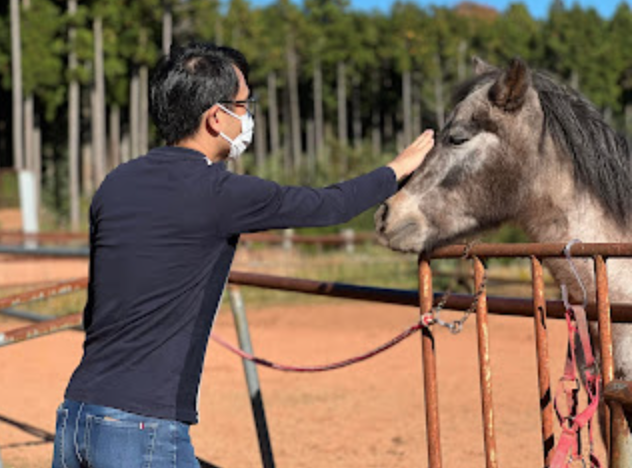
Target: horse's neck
<point>558,211</point>
<point>566,215</point>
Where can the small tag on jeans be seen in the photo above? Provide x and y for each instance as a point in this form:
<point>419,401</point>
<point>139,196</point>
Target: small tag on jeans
<point>142,426</point>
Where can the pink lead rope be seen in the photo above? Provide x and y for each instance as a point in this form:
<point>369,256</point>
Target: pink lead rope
<point>425,321</point>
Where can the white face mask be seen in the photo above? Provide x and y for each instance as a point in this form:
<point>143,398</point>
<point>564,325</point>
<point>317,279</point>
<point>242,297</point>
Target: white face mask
<point>239,144</point>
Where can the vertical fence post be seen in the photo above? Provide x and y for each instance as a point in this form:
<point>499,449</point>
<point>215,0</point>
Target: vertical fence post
<point>288,239</point>
<point>431,393</point>
<point>605,328</point>
<point>542,354</point>
<point>482,327</point>
<point>617,429</point>
<point>28,205</point>
<point>620,442</point>
<point>349,237</point>
<point>252,377</point>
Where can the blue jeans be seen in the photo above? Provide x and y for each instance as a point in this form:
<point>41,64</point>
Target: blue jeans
<point>101,437</point>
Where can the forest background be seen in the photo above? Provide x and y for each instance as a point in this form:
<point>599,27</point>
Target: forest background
<point>339,91</point>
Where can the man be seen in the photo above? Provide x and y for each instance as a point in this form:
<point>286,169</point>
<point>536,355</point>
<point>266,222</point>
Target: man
<point>163,233</point>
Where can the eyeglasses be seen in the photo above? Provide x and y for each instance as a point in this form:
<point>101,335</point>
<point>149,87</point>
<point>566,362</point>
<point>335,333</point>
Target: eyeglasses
<point>250,104</point>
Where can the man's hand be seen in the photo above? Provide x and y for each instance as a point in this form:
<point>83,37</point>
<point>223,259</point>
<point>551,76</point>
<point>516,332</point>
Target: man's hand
<point>412,157</point>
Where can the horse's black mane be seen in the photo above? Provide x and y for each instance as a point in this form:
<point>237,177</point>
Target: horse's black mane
<point>601,158</point>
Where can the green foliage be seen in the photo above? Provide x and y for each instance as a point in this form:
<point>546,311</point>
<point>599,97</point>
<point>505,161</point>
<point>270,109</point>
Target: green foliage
<point>5,53</point>
<point>8,190</point>
<point>620,53</point>
<point>42,54</point>
<point>515,33</point>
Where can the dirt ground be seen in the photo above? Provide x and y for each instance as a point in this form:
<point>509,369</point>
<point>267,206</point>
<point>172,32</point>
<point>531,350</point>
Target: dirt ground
<point>369,415</point>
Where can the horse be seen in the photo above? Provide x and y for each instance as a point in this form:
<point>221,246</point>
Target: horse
<point>521,147</point>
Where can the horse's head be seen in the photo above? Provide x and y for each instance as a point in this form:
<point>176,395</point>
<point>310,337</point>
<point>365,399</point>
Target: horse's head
<point>471,180</point>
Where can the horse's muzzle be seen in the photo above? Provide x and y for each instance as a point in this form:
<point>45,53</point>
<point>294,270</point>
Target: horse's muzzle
<point>397,234</point>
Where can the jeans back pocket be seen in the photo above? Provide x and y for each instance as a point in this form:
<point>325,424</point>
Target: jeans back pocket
<point>113,442</point>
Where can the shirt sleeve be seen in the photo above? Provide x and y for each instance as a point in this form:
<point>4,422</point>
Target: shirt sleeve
<point>249,204</point>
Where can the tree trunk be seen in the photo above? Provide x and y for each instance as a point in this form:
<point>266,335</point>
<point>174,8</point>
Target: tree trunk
<point>167,28</point>
<point>399,142</point>
<point>389,125</point>
<point>356,112</point>
<point>295,113</point>
<point>462,68</point>
<point>143,111</point>
<point>99,105</point>
<point>16,78</point>
<point>73,127</point>
<point>376,135</point>
<point>94,131</point>
<point>628,119</point>
<point>342,116</point>
<point>273,115</point>
<point>407,107</point>
<point>319,121</point>
<point>87,169</point>
<point>260,144</point>
<point>29,123</point>
<point>37,164</point>
<point>438,85</point>
<point>115,137</point>
<point>311,151</point>
<point>134,128</point>
<point>342,103</point>
<point>417,106</point>
<point>125,147</point>
<point>287,135</point>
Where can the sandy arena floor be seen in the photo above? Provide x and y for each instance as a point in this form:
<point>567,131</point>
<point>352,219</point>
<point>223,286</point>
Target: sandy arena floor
<point>369,415</point>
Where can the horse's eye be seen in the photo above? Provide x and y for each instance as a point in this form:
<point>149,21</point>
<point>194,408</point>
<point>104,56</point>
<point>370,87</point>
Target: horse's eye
<point>457,140</point>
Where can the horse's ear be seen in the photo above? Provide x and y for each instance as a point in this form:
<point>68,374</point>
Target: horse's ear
<point>510,89</point>
<point>481,66</point>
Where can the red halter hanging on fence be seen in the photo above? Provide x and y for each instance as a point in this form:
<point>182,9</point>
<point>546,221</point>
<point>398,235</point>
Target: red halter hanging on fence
<point>569,447</point>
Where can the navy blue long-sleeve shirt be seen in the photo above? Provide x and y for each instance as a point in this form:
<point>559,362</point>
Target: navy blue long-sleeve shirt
<point>163,233</point>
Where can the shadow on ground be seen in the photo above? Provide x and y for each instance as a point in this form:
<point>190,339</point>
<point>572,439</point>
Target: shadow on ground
<point>44,436</point>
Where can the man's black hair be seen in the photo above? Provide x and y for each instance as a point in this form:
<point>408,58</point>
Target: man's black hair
<point>187,82</point>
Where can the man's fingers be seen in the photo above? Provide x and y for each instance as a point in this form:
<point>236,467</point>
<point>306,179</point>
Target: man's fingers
<point>424,139</point>
<point>427,134</point>
<point>423,143</point>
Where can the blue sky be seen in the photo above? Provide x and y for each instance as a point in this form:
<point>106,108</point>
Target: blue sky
<point>538,8</point>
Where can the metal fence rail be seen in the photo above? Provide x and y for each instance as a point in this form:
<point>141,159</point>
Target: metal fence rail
<point>458,302</point>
